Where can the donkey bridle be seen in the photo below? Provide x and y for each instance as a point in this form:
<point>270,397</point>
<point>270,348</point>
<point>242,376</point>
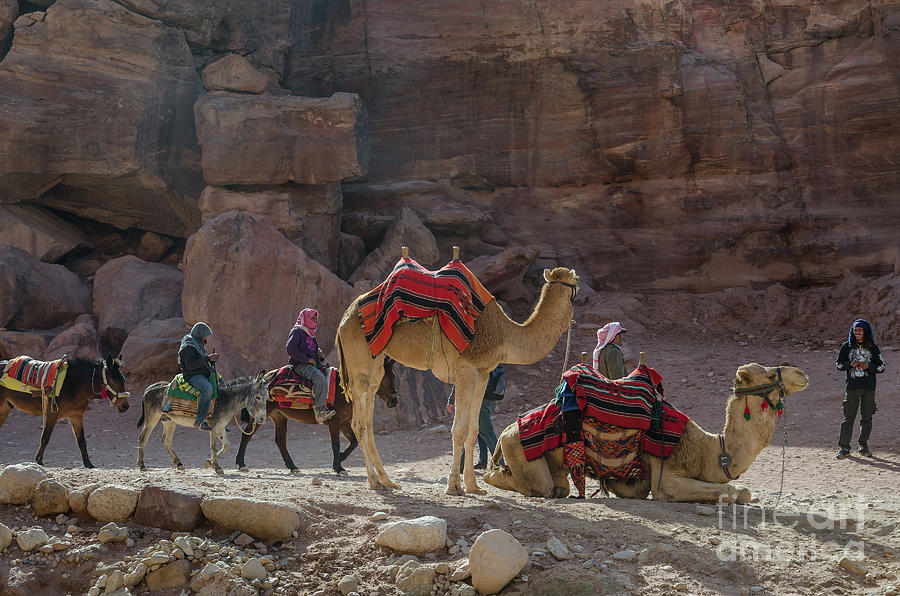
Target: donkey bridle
<point>106,391</point>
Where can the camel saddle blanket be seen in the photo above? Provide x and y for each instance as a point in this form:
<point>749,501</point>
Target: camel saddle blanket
<point>628,403</point>
<point>26,375</point>
<point>292,391</point>
<point>453,294</point>
<point>182,396</point>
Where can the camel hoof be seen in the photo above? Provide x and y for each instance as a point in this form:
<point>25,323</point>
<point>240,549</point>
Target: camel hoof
<point>243,469</point>
<point>476,491</point>
<point>455,489</point>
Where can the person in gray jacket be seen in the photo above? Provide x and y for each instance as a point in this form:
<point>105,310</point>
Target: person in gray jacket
<point>197,367</point>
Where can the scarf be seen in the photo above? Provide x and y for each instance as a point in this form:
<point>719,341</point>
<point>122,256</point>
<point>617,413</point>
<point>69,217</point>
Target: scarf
<point>306,322</point>
<point>606,334</point>
<point>199,332</point>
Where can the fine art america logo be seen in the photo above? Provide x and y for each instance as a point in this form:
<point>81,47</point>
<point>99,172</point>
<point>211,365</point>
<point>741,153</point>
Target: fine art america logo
<point>744,521</point>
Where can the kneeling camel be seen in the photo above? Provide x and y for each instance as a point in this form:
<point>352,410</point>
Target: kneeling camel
<point>692,472</point>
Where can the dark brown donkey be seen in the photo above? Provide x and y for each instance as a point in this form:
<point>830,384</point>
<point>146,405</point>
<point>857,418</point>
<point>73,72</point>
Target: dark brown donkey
<point>339,424</point>
<point>85,379</point>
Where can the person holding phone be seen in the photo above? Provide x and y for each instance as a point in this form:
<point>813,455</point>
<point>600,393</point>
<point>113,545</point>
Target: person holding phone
<point>861,359</point>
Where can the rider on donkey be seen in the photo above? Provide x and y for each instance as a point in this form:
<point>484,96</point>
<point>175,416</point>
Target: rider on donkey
<point>197,368</point>
<point>305,356</point>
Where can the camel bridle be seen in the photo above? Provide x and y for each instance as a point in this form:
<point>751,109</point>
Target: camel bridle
<point>764,390</point>
<point>573,287</point>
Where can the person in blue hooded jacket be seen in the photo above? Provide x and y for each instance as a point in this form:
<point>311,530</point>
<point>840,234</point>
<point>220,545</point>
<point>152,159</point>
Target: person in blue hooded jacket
<point>197,367</point>
<point>861,359</point>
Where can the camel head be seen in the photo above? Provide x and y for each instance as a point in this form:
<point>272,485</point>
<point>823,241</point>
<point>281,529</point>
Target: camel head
<point>756,379</point>
<point>564,277</point>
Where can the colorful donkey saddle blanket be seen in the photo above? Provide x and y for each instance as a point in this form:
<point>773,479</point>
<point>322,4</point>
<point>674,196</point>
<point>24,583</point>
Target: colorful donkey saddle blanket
<point>26,374</point>
<point>292,391</point>
<point>453,294</point>
<point>182,396</point>
<point>620,419</point>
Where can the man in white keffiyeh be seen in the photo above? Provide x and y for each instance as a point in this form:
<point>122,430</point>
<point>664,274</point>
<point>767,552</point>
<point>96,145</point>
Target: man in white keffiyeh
<point>609,360</point>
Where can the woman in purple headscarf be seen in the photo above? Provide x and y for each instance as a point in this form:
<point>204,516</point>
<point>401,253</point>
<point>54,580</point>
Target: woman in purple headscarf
<point>305,356</point>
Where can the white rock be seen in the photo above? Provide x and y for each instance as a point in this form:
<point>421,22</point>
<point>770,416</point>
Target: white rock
<point>559,550</point>
<point>253,569</point>
<point>420,535</point>
<point>79,496</point>
<point>136,575</point>
<point>415,579</point>
<point>705,510</point>
<point>32,539</point>
<point>17,482</point>
<point>5,537</point>
<point>440,429</point>
<point>115,581</point>
<point>112,533</point>
<point>624,555</point>
<point>184,544</point>
<point>264,520</point>
<point>347,585</point>
<point>496,558</point>
<point>379,515</point>
<point>850,565</point>
<point>461,573</point>
<point>50,497</point>
<point>112,502</point>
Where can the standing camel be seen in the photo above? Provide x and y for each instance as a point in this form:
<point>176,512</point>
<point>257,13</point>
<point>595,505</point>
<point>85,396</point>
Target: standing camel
<point>419,344</point>
<point>692,472</point>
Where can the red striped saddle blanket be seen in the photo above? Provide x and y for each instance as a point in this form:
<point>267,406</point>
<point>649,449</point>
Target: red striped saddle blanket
<point>25,373</point>
<point>453,294</point>
<point>607,407</point>
<point>291,391</point>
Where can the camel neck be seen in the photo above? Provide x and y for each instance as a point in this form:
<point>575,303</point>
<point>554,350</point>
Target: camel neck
<point>745,439</point>
<point>528,342</point>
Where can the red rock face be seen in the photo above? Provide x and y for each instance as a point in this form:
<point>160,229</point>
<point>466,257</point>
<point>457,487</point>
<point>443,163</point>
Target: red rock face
<point>688,148</point>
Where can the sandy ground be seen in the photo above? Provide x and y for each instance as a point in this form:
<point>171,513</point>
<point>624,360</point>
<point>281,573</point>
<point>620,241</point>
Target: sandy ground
<point>686,552</point>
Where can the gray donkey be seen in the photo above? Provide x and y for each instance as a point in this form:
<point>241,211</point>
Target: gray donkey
<point>244,392</point>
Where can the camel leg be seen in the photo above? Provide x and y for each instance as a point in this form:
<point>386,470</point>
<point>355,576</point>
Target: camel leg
<point>559,472</point>
<point>625,489</point>
<point>77,422</point>
<point>688,490</point>
<point>465,431</point>
<point>382,475</point>
<point>168,433</point>
<point>529,478</point>
<point>45,436</point>
<point>347,431</point>
<point>150,423</point>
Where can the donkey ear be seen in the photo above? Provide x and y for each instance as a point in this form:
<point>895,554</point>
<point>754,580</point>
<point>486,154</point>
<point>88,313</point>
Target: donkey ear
<point>546,275</point>
<point>260,375</point>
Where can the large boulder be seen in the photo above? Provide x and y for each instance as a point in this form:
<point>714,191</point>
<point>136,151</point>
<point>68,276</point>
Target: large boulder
<point>17,482</point>
<point>415,536</point>
<point>51,497</point>
<point>151,350</point>
<point>80,340</point>
<point>248,282</point>
<point>309,215</point>
<point>36,295</point>
<point>278,139</point>
<point>406,230</point>
<point>115,129</point>
<point>169,508</point>
<point>36,230</point>
<point>495,558</point>
<point>9,10</point>
<point>264,520</point>
<point>19,343</point>
<point>112,502</point>
<point>234,73</point>
<point>128,290</point>
<point>78,498</point>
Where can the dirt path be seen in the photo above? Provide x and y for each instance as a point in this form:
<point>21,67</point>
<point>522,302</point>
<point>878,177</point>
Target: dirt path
<point>682,550</point>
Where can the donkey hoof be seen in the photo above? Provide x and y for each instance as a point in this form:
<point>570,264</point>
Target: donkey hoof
<point>180,467</point>
<point>142,468</point>
<point>295,470</point>
<point>220,471</point>
<point>243,469</point>
<point>208,463</point>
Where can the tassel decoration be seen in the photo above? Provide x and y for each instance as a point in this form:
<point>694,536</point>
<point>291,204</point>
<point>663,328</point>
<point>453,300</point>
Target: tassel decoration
<point>746,409</point>
<point>764,406</point>
<point>780,407</point>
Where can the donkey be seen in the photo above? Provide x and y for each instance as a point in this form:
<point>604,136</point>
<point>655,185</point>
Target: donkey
<point>339,424</point>
<point>85,380</point>
<point>244,392</point>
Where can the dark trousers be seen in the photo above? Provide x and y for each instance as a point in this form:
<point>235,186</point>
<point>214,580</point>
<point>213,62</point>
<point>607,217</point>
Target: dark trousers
<point>864,401</point>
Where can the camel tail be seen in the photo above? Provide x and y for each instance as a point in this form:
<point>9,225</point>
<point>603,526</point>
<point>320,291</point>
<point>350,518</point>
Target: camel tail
<point>342,368</point>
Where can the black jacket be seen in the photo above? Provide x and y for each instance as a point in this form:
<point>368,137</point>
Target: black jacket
<point>192,363</point>
<point>860,379</point>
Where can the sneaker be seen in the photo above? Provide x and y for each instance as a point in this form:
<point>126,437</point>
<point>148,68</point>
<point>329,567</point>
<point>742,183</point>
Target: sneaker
<point>864,450</point>
<point>481,465</point>
<point>204,426</point>
<point>325,416</point>
<point>844,452</point>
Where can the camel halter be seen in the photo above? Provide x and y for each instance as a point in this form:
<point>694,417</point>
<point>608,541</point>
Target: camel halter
<point>573,287</point>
